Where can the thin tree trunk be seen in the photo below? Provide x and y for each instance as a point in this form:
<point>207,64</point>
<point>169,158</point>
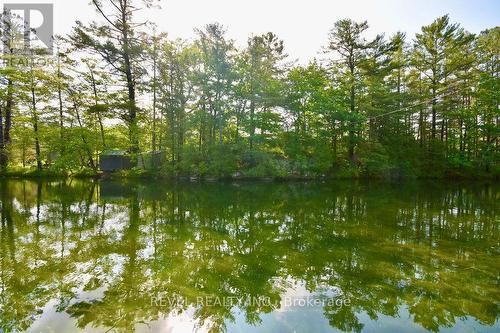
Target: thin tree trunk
<point>334,145</point>
<point>59,94</point>
<point>353,111</point>
<point>5,126</point>
<point>35,129</point>
<point>84,140</point>
<point>252,123</point>
<point>2,143</point>
<point>155,55</point>
<point>133,128</point>
<point>434,102</point>
<point>8,112</point>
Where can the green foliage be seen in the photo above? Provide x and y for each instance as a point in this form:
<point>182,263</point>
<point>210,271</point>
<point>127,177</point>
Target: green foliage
<point>388,108</point>
<point>222,161</point>
<point>374,160</point>
<point>262,164</point>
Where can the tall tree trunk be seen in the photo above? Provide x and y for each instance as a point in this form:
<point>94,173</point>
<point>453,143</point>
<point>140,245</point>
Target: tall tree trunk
<point>5,126</point>
<point>252,122</point>
<point>96,103</point>
<point>180,125</point>
<point>220,129</point>
<point>421,124</point>
<point>8,39</point>
<point>84,140</point>
<point>202,127</point>
<point>352,122</point>
<point>35,129</point>
<point>132,107</point>
<point>2,143</point>
<point>8,112</point>
<point>59,95</point>
<point>153,135</point>
<point>434,111</point>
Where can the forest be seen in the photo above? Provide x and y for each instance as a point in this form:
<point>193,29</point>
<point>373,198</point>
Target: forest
<point>391,106</point>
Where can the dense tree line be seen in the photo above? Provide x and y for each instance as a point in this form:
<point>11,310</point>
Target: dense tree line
<point>426,106</point>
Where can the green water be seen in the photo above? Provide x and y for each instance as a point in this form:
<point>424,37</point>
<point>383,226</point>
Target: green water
<point>82,256</point>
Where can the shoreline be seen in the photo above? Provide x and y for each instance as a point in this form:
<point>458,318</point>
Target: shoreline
<point>224,179</point>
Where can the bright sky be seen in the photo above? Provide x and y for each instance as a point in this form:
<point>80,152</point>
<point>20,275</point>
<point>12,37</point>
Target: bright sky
<point>302,24</point>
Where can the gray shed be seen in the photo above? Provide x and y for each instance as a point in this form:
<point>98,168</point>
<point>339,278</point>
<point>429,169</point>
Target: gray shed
<point>115,160</point>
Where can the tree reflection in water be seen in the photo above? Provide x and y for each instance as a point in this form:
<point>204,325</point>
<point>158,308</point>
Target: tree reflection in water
<point>101,250</point>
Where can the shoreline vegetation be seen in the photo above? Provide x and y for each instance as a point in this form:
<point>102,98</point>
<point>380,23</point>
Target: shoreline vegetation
<point>238,176</point>
<point>119,96</point>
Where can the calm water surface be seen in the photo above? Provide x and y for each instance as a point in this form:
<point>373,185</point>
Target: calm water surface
<point>83,256</point>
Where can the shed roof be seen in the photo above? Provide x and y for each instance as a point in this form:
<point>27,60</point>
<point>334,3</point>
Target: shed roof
<point>114,152</point>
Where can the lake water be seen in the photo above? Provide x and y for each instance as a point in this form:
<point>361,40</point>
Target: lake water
<point>84,256</point>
